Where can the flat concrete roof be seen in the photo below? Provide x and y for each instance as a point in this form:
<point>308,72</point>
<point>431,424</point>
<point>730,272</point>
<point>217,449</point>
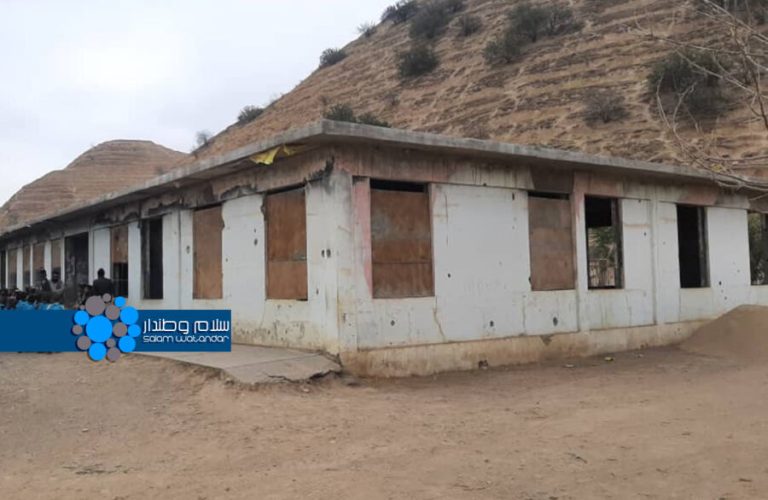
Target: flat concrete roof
<point>331,132</point>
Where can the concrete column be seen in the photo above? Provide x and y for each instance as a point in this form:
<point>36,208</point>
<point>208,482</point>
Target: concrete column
<point>580,244</point>
<point>135,295</point>
<point>47,259</point>
<point>171,260</point>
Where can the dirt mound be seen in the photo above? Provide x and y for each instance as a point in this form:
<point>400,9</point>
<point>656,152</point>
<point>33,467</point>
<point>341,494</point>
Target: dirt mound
<point>741,335</point>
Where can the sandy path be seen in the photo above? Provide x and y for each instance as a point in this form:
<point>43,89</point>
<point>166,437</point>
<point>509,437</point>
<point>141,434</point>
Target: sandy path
<point>668,424</point>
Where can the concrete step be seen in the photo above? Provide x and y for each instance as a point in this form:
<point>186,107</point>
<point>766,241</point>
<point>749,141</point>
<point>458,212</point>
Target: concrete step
<point>258,365</point>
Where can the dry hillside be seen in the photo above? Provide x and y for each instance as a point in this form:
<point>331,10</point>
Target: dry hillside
<point>110,166</point>
<point>538,100</point>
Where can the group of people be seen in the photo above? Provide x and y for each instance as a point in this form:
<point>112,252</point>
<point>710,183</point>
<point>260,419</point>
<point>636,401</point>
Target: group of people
<point>52,294</point>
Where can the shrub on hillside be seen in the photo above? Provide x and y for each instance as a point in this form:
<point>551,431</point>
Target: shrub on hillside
<point>604,107</point>
<point>469,25</point>
<point>527,23</point>
<point>529,20</point>
<point>329,57</point>
<point>345,113</point>
<point>367,29</point>
<point>561,20</point>
<point>203,138</point>
<point>431,20</point>
<point>504,49</point>
<point>690,78</point>
<point>371,119</point>
<point>340,113</point>
<point>534,21</point>
<point>400,12</point>
<point>417,61</point>
<point>248,114</point>
<point>454,6</point>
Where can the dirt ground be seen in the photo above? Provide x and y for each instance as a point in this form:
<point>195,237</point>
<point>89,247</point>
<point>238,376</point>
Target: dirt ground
<point>661,423</point>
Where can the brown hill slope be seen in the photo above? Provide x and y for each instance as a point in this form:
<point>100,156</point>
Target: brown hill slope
<point>110,166</point>
<point>538,100</point>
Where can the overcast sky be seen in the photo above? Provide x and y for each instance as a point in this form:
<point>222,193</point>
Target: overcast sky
<point>77,73</point>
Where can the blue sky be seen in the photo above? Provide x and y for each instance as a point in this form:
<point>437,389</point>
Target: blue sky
<point>77,73</point>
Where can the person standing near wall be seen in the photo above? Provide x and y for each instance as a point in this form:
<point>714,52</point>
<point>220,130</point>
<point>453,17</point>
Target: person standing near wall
<point>56,284</point>
<point>102,285</point>
<point>45,285</point>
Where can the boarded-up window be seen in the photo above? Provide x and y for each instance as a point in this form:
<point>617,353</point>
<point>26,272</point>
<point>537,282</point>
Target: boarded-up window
<point>26,267</point>
<point>3,269</point>
<point>13,269</point>
<point>401,240</point>
<point>56,259</point>
<point>119,250</point>
<point>286,221</point>
<point>38,263</point>
<point>604,248</point>
<point>758,248</point>
<point>207,227</point>
<point>692,246</point>
<point>551,242</point>
<point>152,258</point>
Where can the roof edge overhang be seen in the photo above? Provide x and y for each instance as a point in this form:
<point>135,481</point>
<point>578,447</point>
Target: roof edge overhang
<point>327,132</point>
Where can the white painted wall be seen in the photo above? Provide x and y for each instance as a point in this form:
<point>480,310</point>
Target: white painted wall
<point>633,304</point>
<point>481,268</point>
<point>310,324</point>
<point>728,245</point>
<point>728,257</point>
<point>668,275</point>
<point>480,237</point>
<point>481,290</point>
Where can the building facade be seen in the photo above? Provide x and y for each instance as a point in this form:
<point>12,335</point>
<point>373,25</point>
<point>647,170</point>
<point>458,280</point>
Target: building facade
<point>405,253</point>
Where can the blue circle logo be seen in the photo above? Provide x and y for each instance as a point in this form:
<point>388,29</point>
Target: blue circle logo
<point>101,331</point>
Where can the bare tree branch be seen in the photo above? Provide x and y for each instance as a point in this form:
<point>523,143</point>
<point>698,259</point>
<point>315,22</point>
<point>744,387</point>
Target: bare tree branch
<point>733,55</point>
